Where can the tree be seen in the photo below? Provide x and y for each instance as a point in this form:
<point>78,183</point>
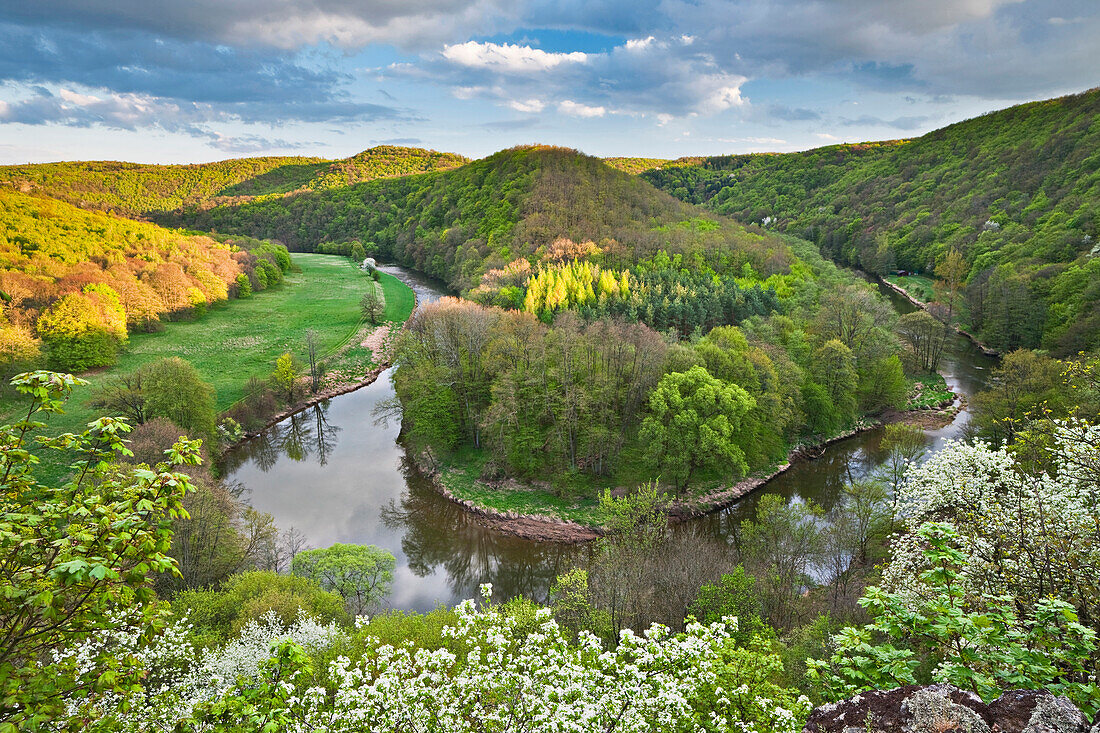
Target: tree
<point>83,330</point>
<point>834,368</point>
<point>358,254</point>
<point>124,395</point>
<point>248,597</point>
<point>244,286</point>
<point>733,595</point>
<point>1026,386</point>
<point>17,347</point>
<point>360,573</point>
<point>779,547</point>
<point>1026,533</point>
<point>852,314</point>
<point>174,389</point>
<point>571,599</point>
<point>78,557</point>
<point>952,272</point>
<point>882,384</point>
<point>925,335</point>
<point>373,303</point>
<point>314,366</point>
<point>285,376</point>
<point>695,422</point>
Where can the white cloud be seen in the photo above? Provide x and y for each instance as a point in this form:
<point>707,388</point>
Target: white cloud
<point>826,136</point>
<point>723,98</point>
<point>576,109</point>
<point>640,44</point>
<point>80,100</point>
<point>508,57</point>
<point>469,92</point>
<point>527,105</point>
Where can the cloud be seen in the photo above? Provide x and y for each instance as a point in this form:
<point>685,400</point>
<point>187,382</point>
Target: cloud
<point>792,114</point>
<point>252,144</point>
<point>399,141</point>
<point>752,140</point>
<point>649,75</point>
<point>508,57</point>
<point>996,49</point>
<point>910,122</point>
<point>533,106</point>
<point>282,24</point>
<point>245,85</point>
<point>128,111</point>
<point>113,110</point>
<point>576,109</point>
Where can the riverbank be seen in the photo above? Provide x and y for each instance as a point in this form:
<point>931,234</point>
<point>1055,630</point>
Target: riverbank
<point>548,527</point>
<point>373,343</point>
<point>924,306</point>
<point>335,387</point>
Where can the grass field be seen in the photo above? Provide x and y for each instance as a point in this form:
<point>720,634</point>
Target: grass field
<point>460,476</point>
<point>919,286</point>
<point>242,338</point>
<point>933,391</point>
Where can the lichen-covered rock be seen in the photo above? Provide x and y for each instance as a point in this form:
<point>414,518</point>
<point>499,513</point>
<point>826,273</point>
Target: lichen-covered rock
<point>947,709</point>
<point>931,710</point>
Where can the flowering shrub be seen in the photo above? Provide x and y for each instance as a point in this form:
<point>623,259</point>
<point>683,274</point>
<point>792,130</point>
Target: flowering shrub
<point>994,582</point>
<point>979,643</point>
<point>178,677</point>
<point>1023,533</point>
<point>492,677</point>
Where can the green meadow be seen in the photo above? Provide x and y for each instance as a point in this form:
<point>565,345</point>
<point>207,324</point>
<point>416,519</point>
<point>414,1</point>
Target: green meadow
<point>241,339</point>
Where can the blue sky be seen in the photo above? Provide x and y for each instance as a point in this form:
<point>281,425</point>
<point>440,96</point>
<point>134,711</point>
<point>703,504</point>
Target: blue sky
<point>200,80</point>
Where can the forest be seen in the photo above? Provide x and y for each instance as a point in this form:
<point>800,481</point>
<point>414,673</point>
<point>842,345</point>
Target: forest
<point>458,225</point>
<point>599,391</point>
<point>1014,191</point>
<point>76,283</point>
<point>136,190</point>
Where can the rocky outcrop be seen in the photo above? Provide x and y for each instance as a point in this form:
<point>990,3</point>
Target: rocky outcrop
<point>947,709</point>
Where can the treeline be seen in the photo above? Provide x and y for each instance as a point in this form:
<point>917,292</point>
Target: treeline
<point>75,283</point>
<point>576,397</point>
<point>668,298</point>
<point>1015,191</point>
<point>460,224</point>
<point>137,190</point>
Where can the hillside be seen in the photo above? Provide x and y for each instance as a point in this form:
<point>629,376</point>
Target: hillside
<point>457,225</point>
<point>67,274</point>
<point>641,165</point>
<point>136,190</point>
<point>1017,192</point>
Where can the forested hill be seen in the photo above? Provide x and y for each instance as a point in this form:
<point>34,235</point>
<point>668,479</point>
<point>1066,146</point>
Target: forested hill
<point>137,190</point>
<point>456,225</point>
<point>1017,192</point>
<point>79,280</point>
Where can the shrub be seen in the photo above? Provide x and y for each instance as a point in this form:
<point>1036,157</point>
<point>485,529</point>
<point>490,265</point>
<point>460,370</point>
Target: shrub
<point>217,615</point>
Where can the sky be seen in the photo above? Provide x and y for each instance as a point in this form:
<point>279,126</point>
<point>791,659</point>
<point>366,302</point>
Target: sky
<point>175,81</point>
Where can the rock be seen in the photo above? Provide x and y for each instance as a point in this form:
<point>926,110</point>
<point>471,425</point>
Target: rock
<point>931,710</point>
<point>947,709</point>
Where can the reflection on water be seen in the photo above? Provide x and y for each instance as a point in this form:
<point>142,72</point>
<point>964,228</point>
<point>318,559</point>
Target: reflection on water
<point>337,474</point>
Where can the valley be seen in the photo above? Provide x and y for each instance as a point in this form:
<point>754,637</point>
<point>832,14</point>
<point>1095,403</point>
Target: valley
<point>286,436</point>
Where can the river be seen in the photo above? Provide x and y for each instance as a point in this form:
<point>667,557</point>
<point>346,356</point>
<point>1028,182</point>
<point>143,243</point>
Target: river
<point>335,473</point>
